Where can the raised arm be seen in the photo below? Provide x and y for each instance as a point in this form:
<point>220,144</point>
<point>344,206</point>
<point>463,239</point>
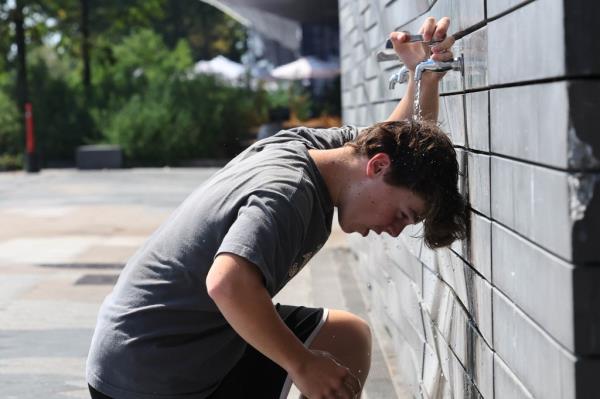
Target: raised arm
<point>411,55</point>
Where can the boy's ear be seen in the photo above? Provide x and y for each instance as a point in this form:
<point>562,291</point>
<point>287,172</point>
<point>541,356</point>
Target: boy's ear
<point>378,164</point>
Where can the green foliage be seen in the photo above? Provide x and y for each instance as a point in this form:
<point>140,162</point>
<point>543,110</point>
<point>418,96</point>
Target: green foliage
<point>61,120</point>
<point>300,102</point>
<point>108,19</point>
<point>183,119</point>
<point>331,102</point>
<point>11,137</point>
<point>157,112</point>
<point>294,97</point>
<point>139,60</point>
<point>208,31</point>
<point>5,35</point>
<point>279,98</point>
<point>11,162</point>
<point>116,18</point>
<point>141,95</point>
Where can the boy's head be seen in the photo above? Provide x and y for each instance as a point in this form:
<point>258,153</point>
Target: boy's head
<point>419,162</point>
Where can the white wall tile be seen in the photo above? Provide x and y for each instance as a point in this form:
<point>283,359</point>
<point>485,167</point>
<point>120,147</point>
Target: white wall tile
<point>515,53</point>
<point>546,369</point>
<point>531,123</point>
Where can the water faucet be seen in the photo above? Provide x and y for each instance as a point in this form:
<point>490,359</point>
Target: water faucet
<point>457,64</point>
<point>399,77</point>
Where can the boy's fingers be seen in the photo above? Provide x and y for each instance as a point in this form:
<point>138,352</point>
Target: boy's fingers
<point>353,383</point>
<point>444,45</point>
<point>398,37</point>
<point>441,28</point>
<point>428,29</point>
<point>443,56</point>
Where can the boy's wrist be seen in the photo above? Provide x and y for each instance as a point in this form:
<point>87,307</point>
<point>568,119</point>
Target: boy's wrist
<point>297,361</point>
<point>431,77</point>
<point>428,77</point>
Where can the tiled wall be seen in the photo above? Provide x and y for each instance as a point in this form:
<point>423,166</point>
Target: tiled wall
<point>514,311</point>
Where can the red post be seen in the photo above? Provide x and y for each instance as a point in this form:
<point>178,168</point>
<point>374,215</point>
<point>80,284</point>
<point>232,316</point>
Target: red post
<point>31,162</point>
<point>29,132</point>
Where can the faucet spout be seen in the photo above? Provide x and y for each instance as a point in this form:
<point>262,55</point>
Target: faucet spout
<point>457,64</point>
<point>399,77</point>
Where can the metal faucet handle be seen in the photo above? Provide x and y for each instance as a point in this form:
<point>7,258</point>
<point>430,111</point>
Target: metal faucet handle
<point>383,55</point>
<point>412,39</point>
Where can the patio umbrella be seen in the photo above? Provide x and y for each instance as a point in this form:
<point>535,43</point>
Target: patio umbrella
<point>220,66</point>
<point>307,68</point>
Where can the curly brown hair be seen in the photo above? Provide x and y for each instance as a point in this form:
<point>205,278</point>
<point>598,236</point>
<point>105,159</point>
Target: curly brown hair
<point>424,161</point>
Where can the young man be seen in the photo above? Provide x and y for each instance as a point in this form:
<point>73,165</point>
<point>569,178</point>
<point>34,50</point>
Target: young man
<point>191,315</point>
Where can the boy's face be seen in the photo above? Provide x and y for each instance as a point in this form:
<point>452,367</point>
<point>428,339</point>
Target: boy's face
<point>371,204</point>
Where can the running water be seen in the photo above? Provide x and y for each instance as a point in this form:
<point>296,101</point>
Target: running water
<point>417,103</point>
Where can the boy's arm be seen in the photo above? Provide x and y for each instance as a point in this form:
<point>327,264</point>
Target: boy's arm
<point>411,55</point>
<point>429,97</point>
<point>236,287</point>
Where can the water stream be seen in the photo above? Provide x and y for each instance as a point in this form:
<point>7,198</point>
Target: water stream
<point>417,101</point>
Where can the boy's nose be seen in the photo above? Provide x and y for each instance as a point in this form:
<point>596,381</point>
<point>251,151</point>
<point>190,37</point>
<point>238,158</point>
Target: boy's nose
<point>395,230</point>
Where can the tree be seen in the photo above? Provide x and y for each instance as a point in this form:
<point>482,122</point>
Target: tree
<point>82,68</point>
<point>85,49</point>
<point>208,31</point>
<point>31,164</point>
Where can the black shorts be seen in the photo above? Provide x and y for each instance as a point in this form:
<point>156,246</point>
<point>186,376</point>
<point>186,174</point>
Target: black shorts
<point>255,375</point>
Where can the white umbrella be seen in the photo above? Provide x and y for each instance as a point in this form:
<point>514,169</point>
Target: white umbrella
<point>307,68</point>
<point>220,66</point>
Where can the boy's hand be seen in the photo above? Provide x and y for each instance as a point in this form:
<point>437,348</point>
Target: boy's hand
<point>322,377</point>
<point>412,54</point>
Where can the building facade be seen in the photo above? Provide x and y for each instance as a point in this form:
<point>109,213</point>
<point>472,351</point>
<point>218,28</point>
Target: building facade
<point>513,311</point>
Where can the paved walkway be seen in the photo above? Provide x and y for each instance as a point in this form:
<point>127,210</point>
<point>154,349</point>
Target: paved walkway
<point>65,236</point>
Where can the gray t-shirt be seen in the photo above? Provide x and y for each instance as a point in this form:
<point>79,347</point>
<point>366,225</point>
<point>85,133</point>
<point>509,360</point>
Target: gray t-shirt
<point>159,334</point>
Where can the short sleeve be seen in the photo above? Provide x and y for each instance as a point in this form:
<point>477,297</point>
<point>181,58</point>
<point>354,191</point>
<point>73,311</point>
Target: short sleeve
<point>327,138</point>
<point>268,232</point>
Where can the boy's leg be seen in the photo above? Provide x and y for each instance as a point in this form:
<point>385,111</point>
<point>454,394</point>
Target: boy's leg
<point>256,376</point>
<point>348,338</point>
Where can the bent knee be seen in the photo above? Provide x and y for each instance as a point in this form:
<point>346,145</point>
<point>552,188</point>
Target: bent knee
<point>360,329</point>
<point>350,328</point>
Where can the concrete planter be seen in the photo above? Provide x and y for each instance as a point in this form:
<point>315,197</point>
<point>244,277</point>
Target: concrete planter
<point>99,156</point>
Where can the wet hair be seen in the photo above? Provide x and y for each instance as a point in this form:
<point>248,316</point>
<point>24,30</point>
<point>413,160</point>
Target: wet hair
<point>424,161</point>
